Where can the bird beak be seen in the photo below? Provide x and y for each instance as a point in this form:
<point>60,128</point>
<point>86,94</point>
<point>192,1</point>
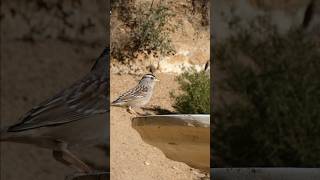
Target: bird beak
<point>157,80</point>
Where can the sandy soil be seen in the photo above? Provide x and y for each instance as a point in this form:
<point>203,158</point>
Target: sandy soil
<point>131,157</point>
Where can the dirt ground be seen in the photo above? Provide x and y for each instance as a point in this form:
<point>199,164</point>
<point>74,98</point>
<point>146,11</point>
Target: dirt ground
<point>131,157</point>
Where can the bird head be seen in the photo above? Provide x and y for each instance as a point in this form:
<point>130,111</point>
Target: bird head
<point>148,79</point>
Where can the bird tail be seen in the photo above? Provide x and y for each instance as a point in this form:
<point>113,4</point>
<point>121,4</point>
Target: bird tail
<point>4,134</point>
<point>116,103</point>
<point>7,135</point>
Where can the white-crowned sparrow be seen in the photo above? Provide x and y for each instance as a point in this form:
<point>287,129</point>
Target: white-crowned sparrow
<point>137,96</point>
<point>75,117</point>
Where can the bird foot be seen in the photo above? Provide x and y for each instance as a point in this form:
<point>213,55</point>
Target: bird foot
<point>131,111</point>
<point>63,155</point>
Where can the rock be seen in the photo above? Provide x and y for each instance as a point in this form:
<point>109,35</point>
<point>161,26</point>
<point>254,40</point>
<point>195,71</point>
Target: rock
<point>175,168</point>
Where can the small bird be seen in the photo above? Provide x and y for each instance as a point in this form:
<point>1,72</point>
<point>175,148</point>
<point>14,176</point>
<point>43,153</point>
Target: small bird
<point>74,118</point>
<point>137,96</point>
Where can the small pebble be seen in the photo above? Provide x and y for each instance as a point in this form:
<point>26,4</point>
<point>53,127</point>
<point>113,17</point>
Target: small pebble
<point>175,168</point>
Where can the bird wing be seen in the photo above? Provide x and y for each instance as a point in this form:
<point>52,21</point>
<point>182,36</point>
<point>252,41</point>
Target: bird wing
<point>82,100</point>
<point>133,94</point>
<point>85,98</point>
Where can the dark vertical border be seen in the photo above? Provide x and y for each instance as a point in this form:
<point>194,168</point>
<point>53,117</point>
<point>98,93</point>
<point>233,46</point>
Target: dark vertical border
<point>0,75</point>
<point>108,78</point>
<point>107,44</point>
<point>211,76</point>
<point>219,173</point>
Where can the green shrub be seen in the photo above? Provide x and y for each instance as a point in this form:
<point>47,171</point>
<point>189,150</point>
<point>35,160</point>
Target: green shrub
<point>274,117</point>
<point>194,97</point>
<point>151,29</point>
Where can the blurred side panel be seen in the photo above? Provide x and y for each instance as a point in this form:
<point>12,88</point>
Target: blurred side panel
<point>46,46</point>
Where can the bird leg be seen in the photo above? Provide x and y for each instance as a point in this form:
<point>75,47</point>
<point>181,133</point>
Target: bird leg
<point>131,111</point>
<point>63,155</point>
